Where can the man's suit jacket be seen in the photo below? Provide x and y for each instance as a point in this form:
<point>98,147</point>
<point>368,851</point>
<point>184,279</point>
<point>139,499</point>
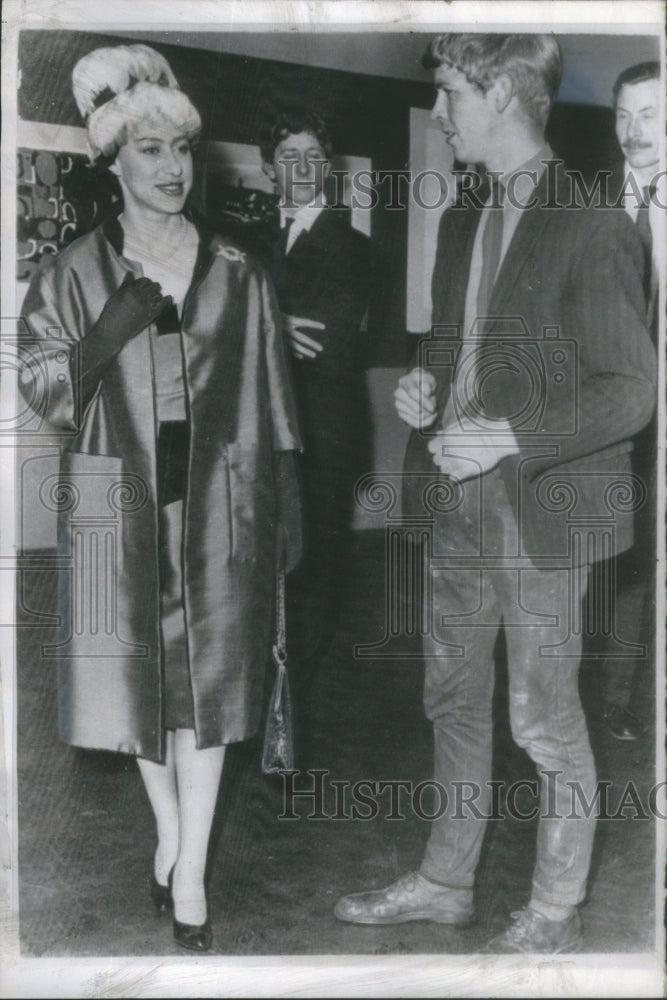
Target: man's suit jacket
<point>644,457</point>
<point>326,277</point>
<point>615,183</point>
<point>567,361</point>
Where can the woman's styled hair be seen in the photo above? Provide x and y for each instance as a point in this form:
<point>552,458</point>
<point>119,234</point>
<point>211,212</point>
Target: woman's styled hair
<point>533,63</point>
<point>119,88</point>
<point>292,122</point>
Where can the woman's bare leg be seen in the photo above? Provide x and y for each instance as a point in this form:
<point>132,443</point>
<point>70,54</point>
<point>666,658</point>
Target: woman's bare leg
<point>198,776</point>
<point>160,783</point>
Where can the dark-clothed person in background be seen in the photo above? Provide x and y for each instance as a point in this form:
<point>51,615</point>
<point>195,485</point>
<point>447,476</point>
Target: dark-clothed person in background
<point>156,349</point>
<point>321,267</point>
<point>512,454</point>
<point>637,185</point>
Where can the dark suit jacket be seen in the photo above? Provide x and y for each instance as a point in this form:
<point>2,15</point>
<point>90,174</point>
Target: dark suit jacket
<point>644,457</point>
<point>615,183</point>
<point>326,277</point>
<point>568,361</point>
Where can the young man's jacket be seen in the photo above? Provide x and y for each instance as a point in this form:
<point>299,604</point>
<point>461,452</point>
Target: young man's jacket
<point>567,360</point>
<point>326,277</point>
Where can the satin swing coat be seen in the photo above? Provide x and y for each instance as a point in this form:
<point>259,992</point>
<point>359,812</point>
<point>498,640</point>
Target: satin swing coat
<point>241,414</point>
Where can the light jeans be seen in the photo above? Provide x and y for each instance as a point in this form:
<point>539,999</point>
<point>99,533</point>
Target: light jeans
<point>547,720</point>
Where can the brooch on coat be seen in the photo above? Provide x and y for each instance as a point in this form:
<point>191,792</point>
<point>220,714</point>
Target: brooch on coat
<point>230,253</point>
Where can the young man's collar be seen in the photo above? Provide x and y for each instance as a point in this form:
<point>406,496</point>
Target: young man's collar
<point>304,216</point>
<point>525,177</point>
<point>535,164</point>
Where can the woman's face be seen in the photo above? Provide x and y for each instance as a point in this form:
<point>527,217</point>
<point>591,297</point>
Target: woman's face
<point>155,169</point>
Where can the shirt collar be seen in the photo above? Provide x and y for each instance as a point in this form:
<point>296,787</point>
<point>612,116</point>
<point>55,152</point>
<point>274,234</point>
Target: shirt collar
<point>305,217</point>
<point>525,178</point>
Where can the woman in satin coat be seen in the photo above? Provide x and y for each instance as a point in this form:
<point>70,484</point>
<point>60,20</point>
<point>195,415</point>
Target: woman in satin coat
<point>155,348</point>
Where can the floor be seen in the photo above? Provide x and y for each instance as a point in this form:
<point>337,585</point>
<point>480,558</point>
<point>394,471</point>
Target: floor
<point>86,834</point>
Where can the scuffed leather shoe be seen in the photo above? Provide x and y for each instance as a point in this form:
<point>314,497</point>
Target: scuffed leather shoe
<point>411,897</point>
<point>532,933</point>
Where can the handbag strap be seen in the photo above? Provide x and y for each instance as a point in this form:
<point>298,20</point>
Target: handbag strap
<point>279,646</point>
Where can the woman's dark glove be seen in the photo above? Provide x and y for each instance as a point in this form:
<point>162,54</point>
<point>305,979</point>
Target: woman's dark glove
<point>133,307</point>
<point>130,310</point>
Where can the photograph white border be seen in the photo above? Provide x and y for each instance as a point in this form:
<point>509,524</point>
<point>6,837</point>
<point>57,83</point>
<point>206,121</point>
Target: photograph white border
<point>337,975</point>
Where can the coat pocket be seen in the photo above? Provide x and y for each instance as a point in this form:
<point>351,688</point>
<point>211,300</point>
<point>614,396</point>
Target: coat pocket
<point>93,495</point>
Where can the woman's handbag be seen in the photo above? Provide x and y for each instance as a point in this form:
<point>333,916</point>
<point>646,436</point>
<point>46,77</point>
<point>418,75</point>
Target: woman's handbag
<point>278,752</point>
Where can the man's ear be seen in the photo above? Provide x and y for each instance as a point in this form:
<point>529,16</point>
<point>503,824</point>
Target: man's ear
<point>502,92</point>
<point>269,170</point>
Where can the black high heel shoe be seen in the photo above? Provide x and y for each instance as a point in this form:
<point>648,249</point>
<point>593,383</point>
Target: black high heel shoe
<point>194,937</point>
<point>161,894</point>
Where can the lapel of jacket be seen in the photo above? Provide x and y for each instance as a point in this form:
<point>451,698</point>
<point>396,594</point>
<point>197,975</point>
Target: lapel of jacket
<point>451,272</point>
<point>323,231</point>
<point>449,286</point>
<point>205,250</point>
<point>112,230</point>
<point>615,181</point>
<point>528,231</point>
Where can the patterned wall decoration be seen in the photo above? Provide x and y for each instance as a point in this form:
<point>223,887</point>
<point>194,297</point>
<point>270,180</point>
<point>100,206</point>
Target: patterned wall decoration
<point>59,196</point>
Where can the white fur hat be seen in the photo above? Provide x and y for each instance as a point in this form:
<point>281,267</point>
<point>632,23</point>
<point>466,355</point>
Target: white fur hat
<point>120,85</point>
<point>104,73</point>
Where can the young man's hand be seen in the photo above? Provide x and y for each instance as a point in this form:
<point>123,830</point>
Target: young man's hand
<point>470,448</point>
<point>302,345</point>
<point>414,399</point>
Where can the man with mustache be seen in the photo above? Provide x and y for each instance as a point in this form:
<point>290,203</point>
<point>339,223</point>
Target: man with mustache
<point>639,133</point>
<point>538,372</point>
<point>636,185</point>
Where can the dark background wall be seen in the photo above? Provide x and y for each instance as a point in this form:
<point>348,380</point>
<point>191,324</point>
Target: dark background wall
<point>368,113</point>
